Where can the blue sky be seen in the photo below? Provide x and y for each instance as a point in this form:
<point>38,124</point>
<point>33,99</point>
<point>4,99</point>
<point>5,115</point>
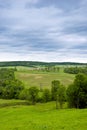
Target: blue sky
<point>43,30</point>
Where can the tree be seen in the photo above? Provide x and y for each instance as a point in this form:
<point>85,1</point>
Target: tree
<point>24,94</point>
<point>33,94</point>
<point>54,91</point>
<point>46,96</point>
<point>71,96</point>
<point>61,95</point>
<point>58,92</point>
<point>75,70</point>
<point>77,92</point>
<point>10,87</point>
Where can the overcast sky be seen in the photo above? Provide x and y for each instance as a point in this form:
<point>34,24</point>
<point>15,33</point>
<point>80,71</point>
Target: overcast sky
<point>43,30</point>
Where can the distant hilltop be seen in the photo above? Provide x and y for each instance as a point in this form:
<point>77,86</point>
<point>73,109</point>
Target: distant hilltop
<point>36,63</point>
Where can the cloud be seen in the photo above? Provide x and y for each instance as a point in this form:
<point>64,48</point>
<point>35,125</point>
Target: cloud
<point>43,30</point>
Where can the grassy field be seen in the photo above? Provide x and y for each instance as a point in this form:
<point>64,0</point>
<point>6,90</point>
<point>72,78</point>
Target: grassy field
<point>42,79</point>
<point>42,117</point>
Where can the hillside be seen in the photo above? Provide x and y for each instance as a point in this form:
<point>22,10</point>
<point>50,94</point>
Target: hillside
<point>42,79</point>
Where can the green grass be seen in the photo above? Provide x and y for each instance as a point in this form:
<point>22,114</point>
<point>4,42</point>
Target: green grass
<point>2,101</point>
<point>43,79</point>
<point>42,117</point>
<point>13,102</point>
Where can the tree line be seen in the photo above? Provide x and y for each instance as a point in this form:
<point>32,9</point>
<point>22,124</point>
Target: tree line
<point>75,95</point>
<point>48,69</point>
<point>36,63</point>
<point>75,70</point>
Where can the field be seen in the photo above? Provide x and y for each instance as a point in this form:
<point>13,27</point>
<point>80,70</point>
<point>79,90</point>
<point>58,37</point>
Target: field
<point>19,115</point>
<point>42,117</point>
<point>42,79</point>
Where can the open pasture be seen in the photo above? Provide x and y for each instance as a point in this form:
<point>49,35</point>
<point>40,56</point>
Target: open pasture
<point>42,79</point>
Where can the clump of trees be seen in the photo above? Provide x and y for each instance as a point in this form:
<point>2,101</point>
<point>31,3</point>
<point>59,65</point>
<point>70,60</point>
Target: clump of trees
<point>75,70</point>
<point>48,68</point>
<point>10,87</point>
<point>51,69</point>
<point>77,92</point>
<point>58,93</point>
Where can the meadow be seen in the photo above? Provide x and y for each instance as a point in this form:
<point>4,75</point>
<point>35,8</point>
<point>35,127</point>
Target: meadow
<point>42,79</point>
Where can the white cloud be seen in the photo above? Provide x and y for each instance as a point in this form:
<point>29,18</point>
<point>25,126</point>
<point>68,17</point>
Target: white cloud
<point>60,56</point>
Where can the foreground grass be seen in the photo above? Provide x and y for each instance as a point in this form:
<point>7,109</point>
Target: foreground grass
<point>42,117</point>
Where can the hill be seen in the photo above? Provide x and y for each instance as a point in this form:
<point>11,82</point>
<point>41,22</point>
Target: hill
<point>42,79</point>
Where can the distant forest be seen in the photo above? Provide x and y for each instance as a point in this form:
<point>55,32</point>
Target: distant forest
<point>35,63</point>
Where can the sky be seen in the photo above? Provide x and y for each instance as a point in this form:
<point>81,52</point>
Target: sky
<point>43,30</point>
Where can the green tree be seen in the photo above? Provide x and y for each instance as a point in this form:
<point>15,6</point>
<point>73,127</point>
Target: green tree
<point>54,91</point>
<point>10,87</point>
<point>61,95</point>
<point>24,94</point>
<point>77,92</point>
<point>46,96</point>
<point>33,94</point>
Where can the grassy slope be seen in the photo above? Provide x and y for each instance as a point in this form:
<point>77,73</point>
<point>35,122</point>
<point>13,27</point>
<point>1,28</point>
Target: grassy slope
<point>44,79</point>
<point>42,117</point>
